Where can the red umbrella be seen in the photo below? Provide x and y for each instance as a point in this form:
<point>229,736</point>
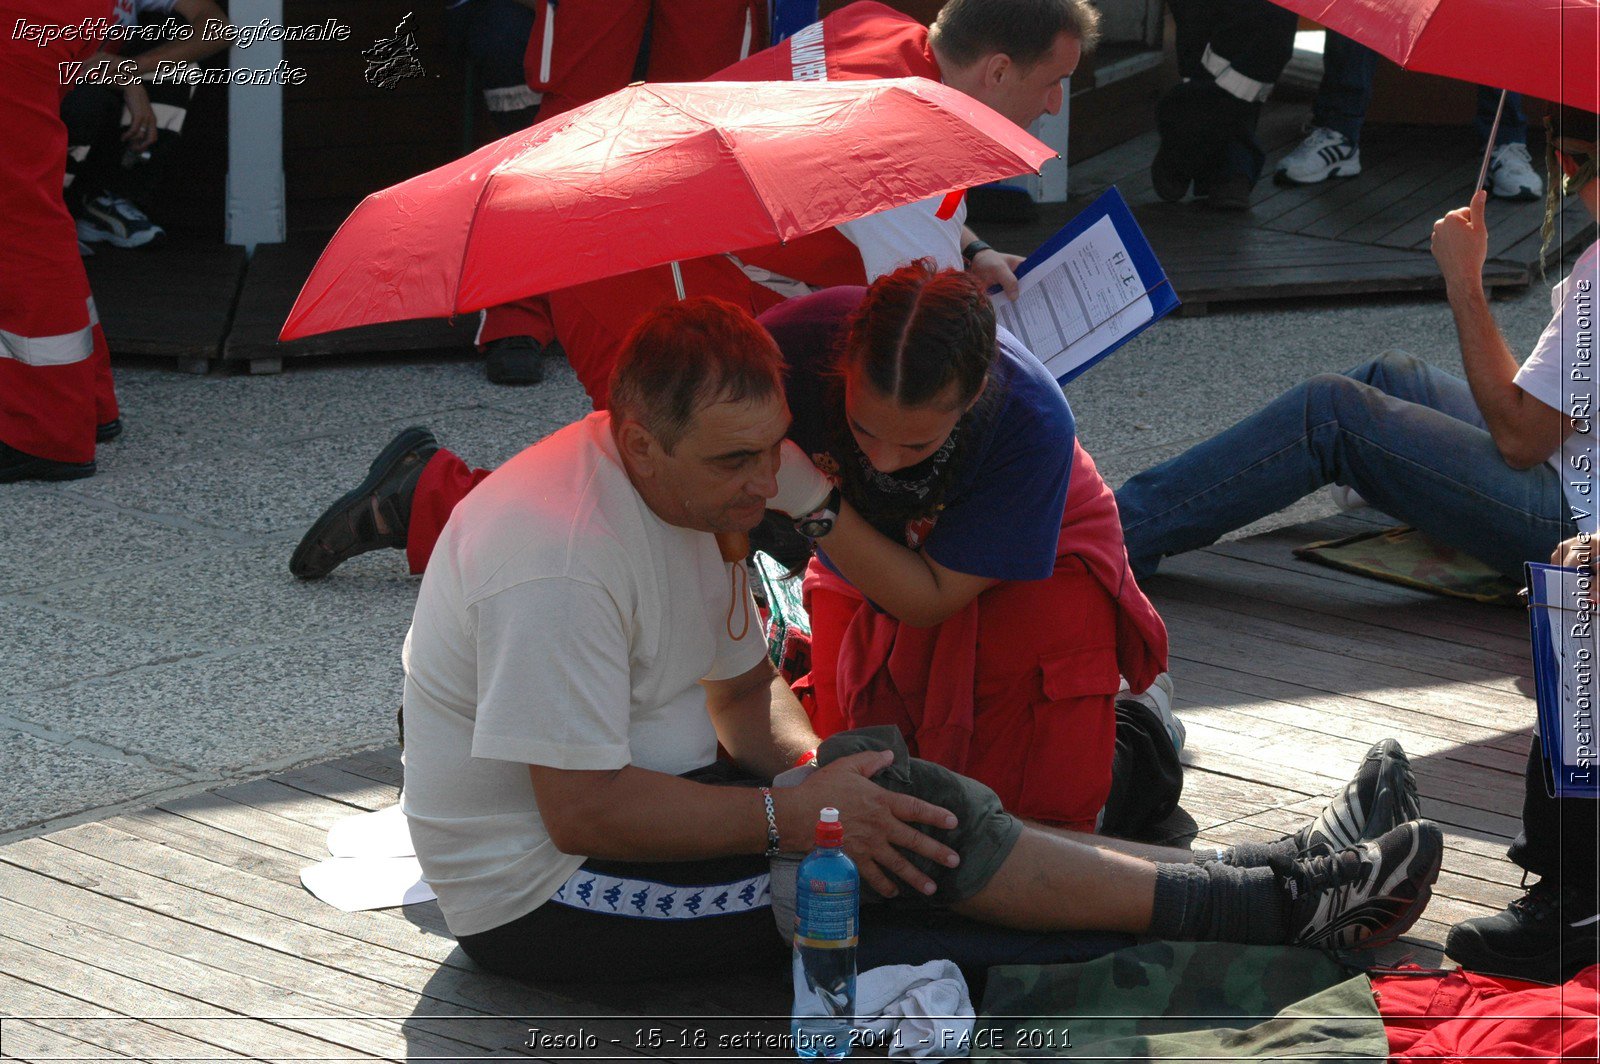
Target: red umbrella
<point>1543,48</point>
<point>649,175</point>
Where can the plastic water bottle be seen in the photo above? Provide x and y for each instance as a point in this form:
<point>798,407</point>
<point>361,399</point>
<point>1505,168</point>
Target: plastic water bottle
<point>827,912</point>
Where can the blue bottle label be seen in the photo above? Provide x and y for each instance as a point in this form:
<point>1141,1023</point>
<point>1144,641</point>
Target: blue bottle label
<point>825,915</point>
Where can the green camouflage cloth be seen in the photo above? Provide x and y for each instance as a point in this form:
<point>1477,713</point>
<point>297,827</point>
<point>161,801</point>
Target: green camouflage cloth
<point>785,608</point>
<point>1182,1001</point>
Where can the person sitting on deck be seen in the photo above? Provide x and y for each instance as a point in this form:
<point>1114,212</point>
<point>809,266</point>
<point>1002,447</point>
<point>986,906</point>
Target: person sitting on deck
<point>579,649</point>
<point>1500,465</point>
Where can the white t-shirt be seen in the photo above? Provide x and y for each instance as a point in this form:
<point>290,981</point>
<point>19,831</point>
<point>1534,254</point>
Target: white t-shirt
<point>890,239</point>
<point>1562,373</point>
<point>560,623</point>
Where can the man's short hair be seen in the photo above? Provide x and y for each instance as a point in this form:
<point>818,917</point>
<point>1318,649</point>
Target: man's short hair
<point>687,355</point>
<point>1025,30</point>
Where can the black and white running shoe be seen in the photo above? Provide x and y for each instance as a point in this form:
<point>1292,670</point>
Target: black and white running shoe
<point>116,221</point>
<point>1366,896</point>
<point>1323,154</point>
<point>1381,796</point>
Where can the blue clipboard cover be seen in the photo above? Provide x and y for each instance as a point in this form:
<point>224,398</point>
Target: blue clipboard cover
<point>1562,625</point>
<point>1089,289</point>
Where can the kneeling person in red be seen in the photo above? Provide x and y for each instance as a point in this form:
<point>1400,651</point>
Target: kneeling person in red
<point>580,649</point>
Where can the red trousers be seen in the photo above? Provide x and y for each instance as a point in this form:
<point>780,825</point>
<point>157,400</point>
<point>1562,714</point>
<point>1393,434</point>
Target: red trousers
<point>579,51</point>
<point>55,368</point>
<point>1043,682</point>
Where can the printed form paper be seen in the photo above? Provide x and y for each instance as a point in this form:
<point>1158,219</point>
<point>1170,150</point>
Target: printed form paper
<point>1079,301</point>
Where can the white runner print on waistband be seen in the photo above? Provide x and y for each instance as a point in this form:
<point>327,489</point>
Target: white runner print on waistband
<point>644,899</point>
<point>808,55</point>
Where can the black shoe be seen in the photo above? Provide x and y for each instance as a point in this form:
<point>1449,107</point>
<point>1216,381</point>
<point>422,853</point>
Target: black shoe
<point>1380,797</point>
<point>1548,935</point>
<point>513,360</point>
<point>376,514</point>
<point>19,465</point>
<point>1230,192</point>
<point>109,431</point>
<point>1171,180</point>
<point>1366,896</point>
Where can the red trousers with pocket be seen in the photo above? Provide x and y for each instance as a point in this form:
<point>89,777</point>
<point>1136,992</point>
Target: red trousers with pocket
<point>55,368</point>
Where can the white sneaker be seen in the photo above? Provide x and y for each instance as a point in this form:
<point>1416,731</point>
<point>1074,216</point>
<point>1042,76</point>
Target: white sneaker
<point>1345,497</point>
<point>1511,174</point>
<point>1158,697</point>
<point>1323,154</point>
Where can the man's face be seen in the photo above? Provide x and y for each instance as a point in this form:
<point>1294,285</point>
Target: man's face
<point>724,469</point>
<point>1022,94</point>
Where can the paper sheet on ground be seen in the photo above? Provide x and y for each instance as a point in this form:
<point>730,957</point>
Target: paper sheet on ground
<point>379,834</point>
<point>1079,301</point>
<point>374,865</point>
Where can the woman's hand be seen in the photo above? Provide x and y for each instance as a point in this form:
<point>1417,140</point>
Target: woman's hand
<point>993,267</point>
<point>802,487</point>
<point>1577,553</point>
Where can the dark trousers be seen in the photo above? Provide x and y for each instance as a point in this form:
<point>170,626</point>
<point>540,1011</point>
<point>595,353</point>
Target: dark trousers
<point>1558,839</point>
<point>1214,132</point>
<point>1348,69</point>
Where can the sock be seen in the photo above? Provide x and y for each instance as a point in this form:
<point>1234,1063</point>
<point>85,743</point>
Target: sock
<point>1217,902</point>
<point>1248,854</point>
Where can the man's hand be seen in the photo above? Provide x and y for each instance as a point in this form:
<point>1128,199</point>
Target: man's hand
<point>802,487</point>
<point>993,267</point>
<point>877,822</point>
<point>1460,245</point>
<point>141,131</point>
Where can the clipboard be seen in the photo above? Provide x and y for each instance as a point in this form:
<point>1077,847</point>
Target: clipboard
<point>1149,295</point>
<point>1562,625</point>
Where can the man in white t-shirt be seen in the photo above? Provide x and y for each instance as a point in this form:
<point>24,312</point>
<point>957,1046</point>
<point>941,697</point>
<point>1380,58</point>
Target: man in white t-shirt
<point>580,648</point>
<point>1500,465</point>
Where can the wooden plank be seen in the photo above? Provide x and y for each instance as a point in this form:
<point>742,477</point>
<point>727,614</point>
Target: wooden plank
<point>171,300</point>
<point>63,1026</point>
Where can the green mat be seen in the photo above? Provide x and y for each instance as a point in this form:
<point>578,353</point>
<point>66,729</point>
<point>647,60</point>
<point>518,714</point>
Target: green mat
<point>1404,556</point>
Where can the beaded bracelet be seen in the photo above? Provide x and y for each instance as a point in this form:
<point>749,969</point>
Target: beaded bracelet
<point>774,841</point>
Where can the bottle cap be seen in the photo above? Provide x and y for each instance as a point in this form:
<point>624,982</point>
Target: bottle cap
<point>829,831</point>
<point>829,815</point>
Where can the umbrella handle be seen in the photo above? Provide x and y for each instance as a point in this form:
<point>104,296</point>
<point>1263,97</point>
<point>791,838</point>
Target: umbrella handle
<point>1483,171</point>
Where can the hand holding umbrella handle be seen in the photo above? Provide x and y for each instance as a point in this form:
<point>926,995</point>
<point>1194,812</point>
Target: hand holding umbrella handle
<point>1460,245</point>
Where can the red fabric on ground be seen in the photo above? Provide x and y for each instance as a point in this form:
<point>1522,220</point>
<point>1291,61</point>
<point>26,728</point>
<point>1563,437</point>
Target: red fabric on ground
<point>1018,689</point>
<point>1458,1016</point>
<point>445,481</point>
<point>55,369</point>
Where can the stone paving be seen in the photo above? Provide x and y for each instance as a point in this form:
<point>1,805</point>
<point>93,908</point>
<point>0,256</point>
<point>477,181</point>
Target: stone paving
<point>152,641</point>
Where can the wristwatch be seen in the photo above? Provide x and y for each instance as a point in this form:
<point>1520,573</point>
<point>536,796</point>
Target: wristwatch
<point>973,250</point>
<point>819,522</point>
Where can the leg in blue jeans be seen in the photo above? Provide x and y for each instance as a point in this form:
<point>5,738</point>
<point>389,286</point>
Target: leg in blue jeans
<point>1346,90</point>
<point>1407,436</point>
<point>1513,124</point>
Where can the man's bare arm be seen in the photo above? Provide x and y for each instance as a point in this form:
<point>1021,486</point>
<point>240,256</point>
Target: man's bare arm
<point>1526,431</point>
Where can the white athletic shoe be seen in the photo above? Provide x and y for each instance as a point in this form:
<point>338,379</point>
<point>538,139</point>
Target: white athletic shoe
<point>1323,154</point>
<point>1511,174</point>
<point>1158,697</point>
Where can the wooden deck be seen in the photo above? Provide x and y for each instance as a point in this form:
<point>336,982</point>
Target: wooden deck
<point>181,931</point>
<point>1346,236</point>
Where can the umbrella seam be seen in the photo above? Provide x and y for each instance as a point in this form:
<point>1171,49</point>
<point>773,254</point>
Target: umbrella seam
<point>761,197</point>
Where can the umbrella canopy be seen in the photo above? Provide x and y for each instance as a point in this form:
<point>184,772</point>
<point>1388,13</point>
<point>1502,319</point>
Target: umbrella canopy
<point>649,175</point>
<point>1543,48</point>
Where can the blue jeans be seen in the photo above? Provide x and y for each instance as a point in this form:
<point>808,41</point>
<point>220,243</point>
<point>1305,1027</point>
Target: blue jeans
<point>1346,90</point>
<point>1404,435</point>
